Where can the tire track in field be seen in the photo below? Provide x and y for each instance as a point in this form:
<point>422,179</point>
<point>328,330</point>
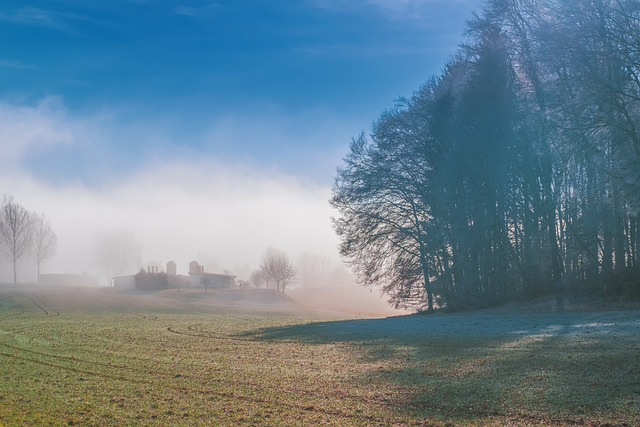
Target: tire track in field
<point>71,369</point>
<point>193,332</point>
<point>46,308</point>
<point>143,371</point>
<point>58,362</point>
<point>74,359</point>
<point>124,309</point>
<point>234,396</point>
<point>34,302</point>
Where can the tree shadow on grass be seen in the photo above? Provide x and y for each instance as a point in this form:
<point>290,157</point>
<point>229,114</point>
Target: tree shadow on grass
<point>561,368</point>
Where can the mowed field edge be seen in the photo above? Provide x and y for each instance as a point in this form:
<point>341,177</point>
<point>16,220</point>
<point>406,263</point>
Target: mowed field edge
<point>101,357</point>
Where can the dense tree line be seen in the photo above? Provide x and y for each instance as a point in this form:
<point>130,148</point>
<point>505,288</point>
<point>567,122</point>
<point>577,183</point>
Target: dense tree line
<point>23,233</point>
<point>513,174</point>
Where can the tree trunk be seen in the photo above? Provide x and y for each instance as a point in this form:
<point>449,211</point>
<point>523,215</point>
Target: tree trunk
<point>425,274</point>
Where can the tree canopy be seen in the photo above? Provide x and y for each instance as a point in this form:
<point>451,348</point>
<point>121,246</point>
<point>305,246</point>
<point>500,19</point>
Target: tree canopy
<point>513,174</point>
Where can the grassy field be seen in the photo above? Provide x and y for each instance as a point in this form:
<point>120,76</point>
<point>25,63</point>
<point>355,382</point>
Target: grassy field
<point>98,357</point>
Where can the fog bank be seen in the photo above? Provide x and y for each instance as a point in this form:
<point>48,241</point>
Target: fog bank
<point>95,173</point>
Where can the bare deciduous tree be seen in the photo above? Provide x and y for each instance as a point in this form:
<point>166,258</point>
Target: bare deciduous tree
<point>45,240</point>
<point>277,269</point>
<point>15,232</point>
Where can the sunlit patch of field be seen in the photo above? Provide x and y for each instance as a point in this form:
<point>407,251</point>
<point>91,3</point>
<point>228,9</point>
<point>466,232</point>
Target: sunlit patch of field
<point>98,357</point>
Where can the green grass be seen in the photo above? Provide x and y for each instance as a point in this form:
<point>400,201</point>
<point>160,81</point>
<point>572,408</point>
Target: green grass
<point>164,362</point>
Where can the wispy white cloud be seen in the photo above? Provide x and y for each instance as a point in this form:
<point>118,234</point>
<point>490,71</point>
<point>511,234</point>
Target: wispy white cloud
<point>61,20</point>
<point>25,128</point>
<point>33,16</point>
<point>18,65</point>
<point>197,11</point>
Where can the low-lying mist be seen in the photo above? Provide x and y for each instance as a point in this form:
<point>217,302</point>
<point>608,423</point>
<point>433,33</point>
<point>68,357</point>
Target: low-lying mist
<point>224,218</point>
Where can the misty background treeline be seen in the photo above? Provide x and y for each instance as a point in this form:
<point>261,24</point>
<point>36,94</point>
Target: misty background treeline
<point>27,240</point>
<point>27,237</point>
<point>24,234</point>
<point>119,253</point>
<point>515,173</point>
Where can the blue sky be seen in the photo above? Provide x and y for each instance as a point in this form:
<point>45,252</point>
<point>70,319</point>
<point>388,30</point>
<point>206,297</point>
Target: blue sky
<point>97,96</point>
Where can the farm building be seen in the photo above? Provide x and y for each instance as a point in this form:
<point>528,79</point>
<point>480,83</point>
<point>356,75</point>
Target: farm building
<point>150,279</point>
<point>198,278</point>
<point>154,279</point>
<point>124,282</point>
